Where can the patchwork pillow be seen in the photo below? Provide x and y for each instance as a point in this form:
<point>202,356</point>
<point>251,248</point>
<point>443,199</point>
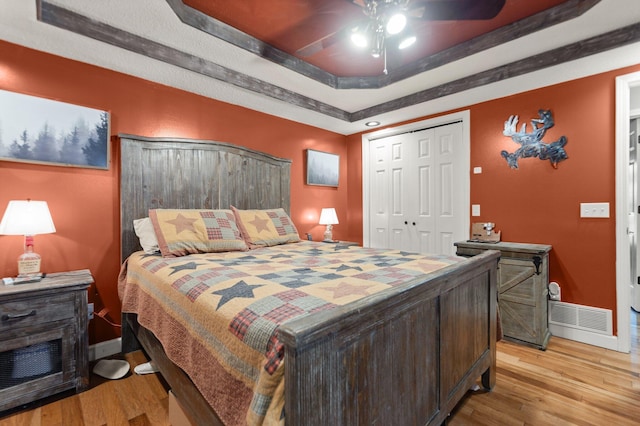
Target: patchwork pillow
<point>186,231</point>
<point>261,228</point>
<point>147,236</point>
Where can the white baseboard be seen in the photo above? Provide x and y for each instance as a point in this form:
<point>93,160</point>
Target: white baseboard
<point>105,349</point>
<point>583,336</point>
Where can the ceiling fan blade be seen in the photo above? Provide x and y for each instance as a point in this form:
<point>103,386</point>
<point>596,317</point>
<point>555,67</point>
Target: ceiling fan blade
<point>360,3</point>
<point>456,10</point>
<point>320,44</point>
<point>330,39</point>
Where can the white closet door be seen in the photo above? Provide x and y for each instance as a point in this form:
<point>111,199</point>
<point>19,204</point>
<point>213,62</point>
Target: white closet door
<point>413,180</point>
<point>380,193</point>
<point>449,195</point>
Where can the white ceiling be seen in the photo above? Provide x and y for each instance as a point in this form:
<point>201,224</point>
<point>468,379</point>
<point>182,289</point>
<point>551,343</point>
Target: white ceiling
<point>155,20</point>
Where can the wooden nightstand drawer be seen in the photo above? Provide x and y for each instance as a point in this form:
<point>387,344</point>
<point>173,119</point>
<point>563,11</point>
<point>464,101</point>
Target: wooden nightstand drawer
<point>36,310</point>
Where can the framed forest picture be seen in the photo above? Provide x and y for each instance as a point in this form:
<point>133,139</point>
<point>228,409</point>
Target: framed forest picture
<point>38,130</point>
<point>323,168</point>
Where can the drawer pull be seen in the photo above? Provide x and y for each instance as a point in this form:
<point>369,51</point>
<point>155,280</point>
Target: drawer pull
<point>9,317</point>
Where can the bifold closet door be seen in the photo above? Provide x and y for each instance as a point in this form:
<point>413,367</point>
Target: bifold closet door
<point>416,200</point>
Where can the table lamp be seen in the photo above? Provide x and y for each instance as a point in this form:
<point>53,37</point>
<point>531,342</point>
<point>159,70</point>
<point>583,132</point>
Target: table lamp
<point>28,218</point>
<point>328,217</point>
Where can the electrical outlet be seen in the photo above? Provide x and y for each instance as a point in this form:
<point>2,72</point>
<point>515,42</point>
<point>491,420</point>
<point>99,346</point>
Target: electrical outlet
<point>90,309</point>
<point>594,210</point>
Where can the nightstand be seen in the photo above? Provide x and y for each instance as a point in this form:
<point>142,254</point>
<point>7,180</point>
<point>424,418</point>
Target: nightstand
<point>523,279</point>
<point>44,346</point>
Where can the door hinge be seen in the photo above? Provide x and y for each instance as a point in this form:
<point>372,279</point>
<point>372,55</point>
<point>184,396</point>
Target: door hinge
<point>638,280</point>
<point>537,261</point>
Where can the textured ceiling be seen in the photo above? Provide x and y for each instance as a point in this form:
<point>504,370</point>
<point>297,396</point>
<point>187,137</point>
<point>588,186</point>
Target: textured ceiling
<point>148,39</point>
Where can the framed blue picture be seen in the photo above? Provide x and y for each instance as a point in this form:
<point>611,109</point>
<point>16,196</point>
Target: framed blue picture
<point>38,130</point>
<point>323,168</point>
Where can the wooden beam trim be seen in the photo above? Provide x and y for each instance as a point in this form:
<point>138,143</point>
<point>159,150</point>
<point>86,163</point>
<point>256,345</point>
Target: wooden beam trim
<point>571,52</point>
<point>83,25</point>
<point>223,31</point>
<point>80,24</point>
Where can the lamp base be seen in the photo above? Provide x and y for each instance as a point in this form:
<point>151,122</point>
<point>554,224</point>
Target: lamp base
<point>29,264</point>
<point>328,235</point>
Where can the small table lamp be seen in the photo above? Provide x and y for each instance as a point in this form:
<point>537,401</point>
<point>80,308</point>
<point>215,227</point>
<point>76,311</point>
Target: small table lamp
<point>328,217</point>
<point>28,218</point>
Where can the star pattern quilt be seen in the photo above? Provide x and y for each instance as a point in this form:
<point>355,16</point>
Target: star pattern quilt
<point>217,315</point>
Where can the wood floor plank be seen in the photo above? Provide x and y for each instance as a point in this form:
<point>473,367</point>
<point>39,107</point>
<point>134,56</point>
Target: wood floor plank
<point>91,405</point>
<point>52,414</point>
<point>114,412</point>
<point>71,411</point>
<point>25,418</point>
<point>140,420</point>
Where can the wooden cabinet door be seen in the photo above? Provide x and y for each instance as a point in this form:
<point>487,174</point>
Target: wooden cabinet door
<point>519,299</point>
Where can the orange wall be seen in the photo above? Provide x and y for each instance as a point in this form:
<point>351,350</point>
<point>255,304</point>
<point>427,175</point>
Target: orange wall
<point>84,203</point>
<point>537,203</point>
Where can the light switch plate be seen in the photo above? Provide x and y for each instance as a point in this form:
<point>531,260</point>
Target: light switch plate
<point>594,210</point>
<point>475,210</point>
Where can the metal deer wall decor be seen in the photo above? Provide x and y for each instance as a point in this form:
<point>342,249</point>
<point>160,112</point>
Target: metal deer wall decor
<point>531,144</point>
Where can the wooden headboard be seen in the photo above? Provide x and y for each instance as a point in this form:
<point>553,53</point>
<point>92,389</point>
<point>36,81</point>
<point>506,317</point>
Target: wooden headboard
<point>175,173</point>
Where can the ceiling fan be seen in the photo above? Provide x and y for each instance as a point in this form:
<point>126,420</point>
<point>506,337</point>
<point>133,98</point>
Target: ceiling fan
<point>387,23</point>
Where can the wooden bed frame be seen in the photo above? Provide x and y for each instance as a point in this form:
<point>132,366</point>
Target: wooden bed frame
<point>403,356</point>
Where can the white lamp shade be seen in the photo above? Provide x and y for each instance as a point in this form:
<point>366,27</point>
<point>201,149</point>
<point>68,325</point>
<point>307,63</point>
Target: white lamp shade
<point>26,217</point>
<point>328,217</point>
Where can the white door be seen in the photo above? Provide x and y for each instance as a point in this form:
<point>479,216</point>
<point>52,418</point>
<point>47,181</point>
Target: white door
<point>417,196</point>
<point>632,212</point>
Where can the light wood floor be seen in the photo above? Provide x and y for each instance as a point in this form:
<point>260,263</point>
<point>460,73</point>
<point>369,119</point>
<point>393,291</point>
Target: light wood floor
<point>568,384</point>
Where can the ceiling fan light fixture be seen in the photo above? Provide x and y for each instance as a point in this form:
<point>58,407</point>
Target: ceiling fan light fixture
<point>396,23</point>
<point>378,44</point>
<point>359,39</point>
<point>406,41</point>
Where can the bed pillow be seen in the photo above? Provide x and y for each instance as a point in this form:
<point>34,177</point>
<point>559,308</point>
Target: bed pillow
<point>262,228</point>
<point>184,231</point>
<point>147,236</point>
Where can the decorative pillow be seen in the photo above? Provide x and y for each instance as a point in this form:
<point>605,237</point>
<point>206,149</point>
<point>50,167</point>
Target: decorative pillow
<point>183,231</point>
<point>146,235</point>
<point>262,228</point>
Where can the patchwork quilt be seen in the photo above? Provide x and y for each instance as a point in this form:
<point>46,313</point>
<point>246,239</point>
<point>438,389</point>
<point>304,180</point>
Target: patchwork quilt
<point>218,314</point>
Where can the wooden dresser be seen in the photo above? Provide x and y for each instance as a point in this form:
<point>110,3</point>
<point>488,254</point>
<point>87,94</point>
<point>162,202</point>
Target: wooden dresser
<point>43,337</point>
<point>523,277</point>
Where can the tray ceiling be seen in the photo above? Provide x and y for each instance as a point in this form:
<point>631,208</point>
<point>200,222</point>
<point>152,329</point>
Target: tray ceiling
<point>245,52</point>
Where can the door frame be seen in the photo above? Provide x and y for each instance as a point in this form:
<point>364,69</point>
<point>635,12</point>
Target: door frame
<point>624,83</point>
<point>463,116</point>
